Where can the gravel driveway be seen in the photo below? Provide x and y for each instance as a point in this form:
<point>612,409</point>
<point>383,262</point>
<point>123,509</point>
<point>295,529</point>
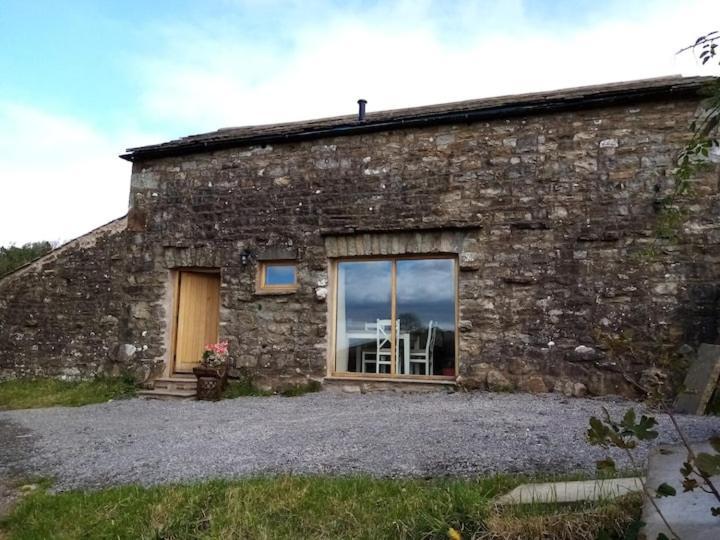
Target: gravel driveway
<point>383,434</point>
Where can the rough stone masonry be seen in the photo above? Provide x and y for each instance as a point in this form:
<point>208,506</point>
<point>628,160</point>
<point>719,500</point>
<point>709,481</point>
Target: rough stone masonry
<point>550,203</point>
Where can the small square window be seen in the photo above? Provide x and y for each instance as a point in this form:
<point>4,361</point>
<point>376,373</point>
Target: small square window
<point>277,277</point>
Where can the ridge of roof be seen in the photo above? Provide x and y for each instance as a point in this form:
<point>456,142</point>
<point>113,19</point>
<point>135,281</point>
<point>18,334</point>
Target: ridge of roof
<point>468,110</point>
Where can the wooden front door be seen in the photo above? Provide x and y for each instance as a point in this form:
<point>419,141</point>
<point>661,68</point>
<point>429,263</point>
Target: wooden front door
<point>197,317</point>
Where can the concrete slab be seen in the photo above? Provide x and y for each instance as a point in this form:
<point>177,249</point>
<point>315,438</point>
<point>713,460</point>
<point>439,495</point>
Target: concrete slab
<point>688,513</point>
<point>700,381</point>
<point>563,492</point>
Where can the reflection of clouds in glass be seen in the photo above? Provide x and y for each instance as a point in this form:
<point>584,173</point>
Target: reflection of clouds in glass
<point>427,280</point>
<point>366,282</point>
<point>425,288</point>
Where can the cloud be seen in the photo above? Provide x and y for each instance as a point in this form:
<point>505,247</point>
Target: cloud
<point>253,61</point>
<point>404,54</point>
<point>419,281</point>
<point>59,176</point>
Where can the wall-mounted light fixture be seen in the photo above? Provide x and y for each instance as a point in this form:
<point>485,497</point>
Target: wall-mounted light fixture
<point>246,256</point>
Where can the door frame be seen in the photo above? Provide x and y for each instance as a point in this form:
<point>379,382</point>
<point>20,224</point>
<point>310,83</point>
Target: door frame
<point>175,308</point>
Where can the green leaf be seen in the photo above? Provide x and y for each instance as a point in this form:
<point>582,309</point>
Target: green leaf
<point>628,420</point>
<point>715,443</point>
<point>665,490</point>
<point>598,432</point>
<point>643,429</point>
<point>708,464</point>
<point>715,511</point>
<point>662,536</point>
<point>607,464</point>
<point>686,469</point>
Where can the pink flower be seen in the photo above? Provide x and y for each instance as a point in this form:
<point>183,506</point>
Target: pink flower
<point>215,354</point>
<point>220,348</point>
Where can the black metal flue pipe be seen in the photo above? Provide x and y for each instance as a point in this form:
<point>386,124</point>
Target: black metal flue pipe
<point>361,109</point>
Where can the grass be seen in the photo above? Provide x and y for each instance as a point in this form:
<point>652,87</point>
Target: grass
<point>302,389</point>
<point>244,387</point>
<point>35,393</point>
<point>609,519</point>
<point>310,507</point>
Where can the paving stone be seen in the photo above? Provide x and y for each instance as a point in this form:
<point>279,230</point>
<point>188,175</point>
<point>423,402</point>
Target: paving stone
<point>700,381</point>
<point>688,513</point>
<point>582,490</point>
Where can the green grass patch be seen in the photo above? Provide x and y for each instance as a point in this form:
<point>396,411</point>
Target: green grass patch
<point>289,507</point>
<point>242,388</point>
<point>35,393</point>
<point>302,389</point>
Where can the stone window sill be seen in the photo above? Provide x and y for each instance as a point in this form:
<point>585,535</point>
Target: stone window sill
<point>276,291</point>
<point>436,379</point>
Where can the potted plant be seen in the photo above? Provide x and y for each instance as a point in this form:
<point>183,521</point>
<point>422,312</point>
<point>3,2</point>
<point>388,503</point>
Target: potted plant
<point>212,371</point>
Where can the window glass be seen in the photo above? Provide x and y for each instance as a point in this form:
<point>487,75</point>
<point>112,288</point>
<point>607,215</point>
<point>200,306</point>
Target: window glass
<point>424,322</point>
<point>279,275</point>
<point>426,316</point>
<point>363,316</point>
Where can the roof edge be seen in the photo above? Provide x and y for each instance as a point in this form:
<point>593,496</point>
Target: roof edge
<point>463,111</point>
<point>116,225</point>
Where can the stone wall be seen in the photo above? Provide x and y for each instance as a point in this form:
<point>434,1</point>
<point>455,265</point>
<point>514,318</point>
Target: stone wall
<point>563,261</point>
<point>63,315</point>
<point>552,216</point>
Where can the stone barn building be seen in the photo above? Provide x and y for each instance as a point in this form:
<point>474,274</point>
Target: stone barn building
<point>509,243</point>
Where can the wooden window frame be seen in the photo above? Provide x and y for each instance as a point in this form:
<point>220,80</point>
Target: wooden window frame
<point>263,288</point>
<point>332,373</point>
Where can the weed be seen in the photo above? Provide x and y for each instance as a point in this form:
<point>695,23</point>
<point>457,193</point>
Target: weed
<point>301,389</point>
<point>47,392</point>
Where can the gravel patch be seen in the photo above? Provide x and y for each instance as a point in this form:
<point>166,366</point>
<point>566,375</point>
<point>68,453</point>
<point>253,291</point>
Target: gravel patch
<point>382,434</point>
<point>15,445</point>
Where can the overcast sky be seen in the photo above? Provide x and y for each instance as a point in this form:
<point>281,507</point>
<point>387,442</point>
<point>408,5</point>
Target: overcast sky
<point>82,80</point>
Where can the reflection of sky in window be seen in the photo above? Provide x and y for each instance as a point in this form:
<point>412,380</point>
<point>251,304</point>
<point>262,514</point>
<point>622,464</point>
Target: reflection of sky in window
<point>425,288</point>
<point>366,286</point>
<point>426,292</point>
<point>280,275</point>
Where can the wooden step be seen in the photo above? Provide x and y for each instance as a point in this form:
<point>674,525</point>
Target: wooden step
<point>167,394</point>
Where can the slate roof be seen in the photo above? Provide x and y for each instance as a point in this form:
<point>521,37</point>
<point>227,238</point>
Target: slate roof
<point>460,111</point>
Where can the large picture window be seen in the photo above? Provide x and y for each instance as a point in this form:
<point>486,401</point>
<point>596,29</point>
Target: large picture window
<point>395,317</point>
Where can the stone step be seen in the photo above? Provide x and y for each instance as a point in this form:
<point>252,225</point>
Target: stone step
<point>175,383</point>
<point>167,394</point>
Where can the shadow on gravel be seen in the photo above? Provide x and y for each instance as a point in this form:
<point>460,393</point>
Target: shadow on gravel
<point>15,448</point>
